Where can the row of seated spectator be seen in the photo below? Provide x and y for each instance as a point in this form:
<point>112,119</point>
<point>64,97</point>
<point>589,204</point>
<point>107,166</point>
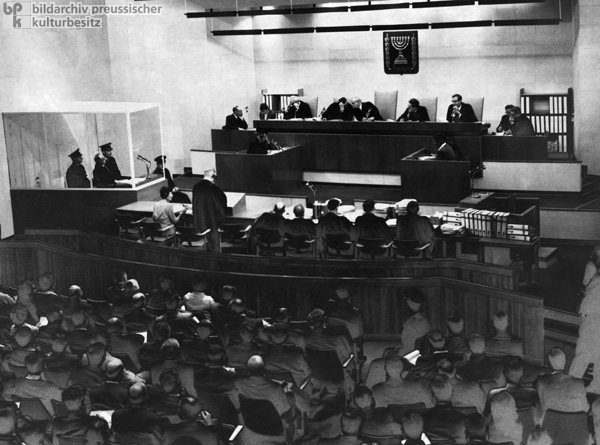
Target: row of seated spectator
<point>132,368</point>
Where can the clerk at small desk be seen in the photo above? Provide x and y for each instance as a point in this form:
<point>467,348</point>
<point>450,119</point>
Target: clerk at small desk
<point>444,151</point>
<point>459,111</point>
<point>297,109</point>
<point>163,212</point>
<point>260,144</point>
<point>504,124</point>
<point>236,120</point>
<point>520,125</point>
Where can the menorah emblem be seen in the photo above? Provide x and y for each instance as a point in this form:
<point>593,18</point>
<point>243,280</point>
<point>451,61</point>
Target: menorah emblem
<point>400,43</point>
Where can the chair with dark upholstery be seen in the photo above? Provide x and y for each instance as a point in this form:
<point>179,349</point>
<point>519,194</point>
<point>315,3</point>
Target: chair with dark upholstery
<point>269,242</point>
<point>372,248</point>
<point>339,245</point>
<point>234,237</point>
<point>299,245</point>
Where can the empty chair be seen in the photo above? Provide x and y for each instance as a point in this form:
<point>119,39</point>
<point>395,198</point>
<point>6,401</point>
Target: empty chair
<point>431,103</point>
<point>59,408</point>
<point>33,408</point>
<point>299,245</point>
<point>339,245</point>
<point>566,428</point>
<point>408,249</point>
<point>234,237</point>
<point>192,237</point>
<point>269,242</point>
<point>372,248</point>
<point>153,232</point>
<point>386,102</point>
<point>325,364</point>
<point>313,103</point>
<point>477,104</point>
<point>128,225</point>
<point>261,417</point>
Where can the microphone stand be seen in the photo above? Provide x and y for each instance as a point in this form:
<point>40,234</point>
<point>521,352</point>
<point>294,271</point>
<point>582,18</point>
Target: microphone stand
<point>147,163</point>
<point>316,208</point>
<point>472,174</point>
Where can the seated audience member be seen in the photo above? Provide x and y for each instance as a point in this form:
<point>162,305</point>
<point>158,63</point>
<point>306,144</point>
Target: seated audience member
<point>415,227</point>
<point>220,315</point>
<point>135,423</point>
<point>377,421</point>
<point>197,300</point>
<point>512,369</point>
<point>194,350</point>
<point>414,113</point>
<point>182,323</point>
<point>138,319</point>
<point>400,391</point>
<point>417,324</point>
<point>76,422</point>
<point>260,144</point>
<point>23,349</point>
<point>112,394</point>
<point>340,110</point>
<point>432,343</point>
<point>164,214</point>
<point>120,343</point>
<point>502,343</point>
<point>319,337</point>
<point>150,352</point>
<point>33,433</point>
<point>300,226</point>
<point>559,390</point>
<point>25,298</point>
<point>444,152</point>
<point>412,428</point>
<point>464,393</point>
<point>8,426</point>
<point>459,111</point>
<point>47,333</point>
<point>236,120</point>
<point>504,124</point>
<point>297,109</point>
<point>285,357</point>
<point>33,386</point>
<point>59,359</point>
<point>195,422</point>
<point>369,225</point>
<point>171,359</point>
<point>90,375</point>
<point>115,292</point>
<point>340,311</point>
<point>295,334</point>
<point>240,315</point>
<point>456,340</point>
<point>44,297</point>
<point>476,429</point>
<point>539,436</point>
<point>332,223</point>
<point>272,220</point>
<point>265,112</point>
<point>443,421</point>
<point>158,297</point>
<point>351,421</point>
<point>520,125</point>
<point>239,353</point>
<point>481,368</point>
<point>504,424</point>
<point>365,111</point>
<point>215,379</point>
<point>75,300</point>
<point>167,393</point>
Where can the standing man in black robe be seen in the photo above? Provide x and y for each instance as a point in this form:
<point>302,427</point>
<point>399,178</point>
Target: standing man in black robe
<point>209,207</point>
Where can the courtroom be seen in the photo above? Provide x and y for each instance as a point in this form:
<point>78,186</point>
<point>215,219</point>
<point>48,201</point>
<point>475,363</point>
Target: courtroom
<point>300,222</point>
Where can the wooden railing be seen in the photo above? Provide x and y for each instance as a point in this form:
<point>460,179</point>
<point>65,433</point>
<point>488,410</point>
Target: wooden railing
<point>382,298</point>
<point>111,247</point>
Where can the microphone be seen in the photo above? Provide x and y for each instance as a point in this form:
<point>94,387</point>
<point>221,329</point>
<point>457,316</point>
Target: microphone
<point>276,145</point>
<point>313,189</point>
<point>141,158</point>
<point>322,112</point>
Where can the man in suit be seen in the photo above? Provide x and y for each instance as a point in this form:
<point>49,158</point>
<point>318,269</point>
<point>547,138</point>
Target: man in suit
<point>91,375</point>
<point>369,225</point>
<point>464,393</point>
<point>113,394</point>
<point>459,111</point>
<point>351,423</point>
<point>340,110</point>
<point>260,144</point>
<point>412,428</point>
<point>414,113</point>
<point>102,175</point>
<point>76,422</point>
<point>481,368</point>
<point>477,429</point>
<point>76,175</point>
<point>332,223</point>
<point>300,226</point>
<point>502,343</point>
<point>504,124</point>
<point>512,369</point>
<point>520,125</point>
<point>171,355</point>
<point>445,151</point>
<point>285,357</point>
<point>559,390</point>
<point>265,112</point>
<point>236,120</point>
<point>365,111</point>
<point>398,390</point>
<point>210,207</point>
<point>194,423</point>
<point>297,109</point>
<point>443,421</point>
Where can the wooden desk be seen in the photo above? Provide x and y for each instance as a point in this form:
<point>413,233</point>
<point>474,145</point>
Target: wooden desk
<point>434,181</point>
<point>511,148</point>
<point>275,173</point>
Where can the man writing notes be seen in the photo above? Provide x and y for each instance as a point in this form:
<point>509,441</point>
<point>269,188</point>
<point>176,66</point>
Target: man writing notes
<point>340,110</point>
<point>209,207</point>
<point>76,174</point>
<point>297,109</point>
<point>365,111</point>
<point>236,120</point>
<point>459,111</point>
<point>504,124</point>
<point>520,125</point>
<point>414,113</point>
<point>260,144</point>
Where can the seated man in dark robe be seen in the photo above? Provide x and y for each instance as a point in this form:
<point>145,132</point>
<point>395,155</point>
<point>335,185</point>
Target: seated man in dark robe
<point>412,226</point>
<point>273,220</point>
<point>266,113</point>
<point>340,110</point>
<point>414,113</point>
<point>332,223</point>
<point>365,111</point>
<point>297,109</point>
<point>235,120</point>
<point>369,225</point>
<point>300,226</point>
<point>260,144</point>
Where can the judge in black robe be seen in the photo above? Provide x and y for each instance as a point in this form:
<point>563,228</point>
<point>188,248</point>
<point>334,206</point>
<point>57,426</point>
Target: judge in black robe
<point>365,111</point>
<point>459,112</point>
<point>414,113</point>
<point>369,225</point>
<point>340,110</point>
<point>260,144</point>
<point>297,109</point>
<point>209,207</point>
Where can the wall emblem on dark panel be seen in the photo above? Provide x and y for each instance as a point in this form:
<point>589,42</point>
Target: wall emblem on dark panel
<point>401,52</point>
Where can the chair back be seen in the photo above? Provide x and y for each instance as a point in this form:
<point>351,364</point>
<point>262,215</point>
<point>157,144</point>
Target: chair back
<point>221,407</point>
<point>298,243</point>
<point>267,236</point>
<point>151,229</point>
<point>398,411</point>
<point>125,221</point>
<point>59,408</point>
<point>313,103</point>
<point>387,102</point>
<point>567,428</point>
<point>261,416</point>
<point>466,410</point>
<point>431,104</point>
<point>71,440</point>
<point>186,440</point>
<point>34,409</point>
<point>325,364</point>
<point>477,104</point>
<point>127,361</point>
<point>231,232</point>
<point>339,243</point>
<point>406,248</point>
<point>371,247</point>
<point>299,326</point>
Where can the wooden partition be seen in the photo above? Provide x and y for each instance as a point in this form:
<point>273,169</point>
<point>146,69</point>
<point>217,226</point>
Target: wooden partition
<point>504,277</point>
<point>382,299</point>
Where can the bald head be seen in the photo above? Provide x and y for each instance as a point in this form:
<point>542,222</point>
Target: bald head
<point>279,208</point>
<point>256,365</point>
